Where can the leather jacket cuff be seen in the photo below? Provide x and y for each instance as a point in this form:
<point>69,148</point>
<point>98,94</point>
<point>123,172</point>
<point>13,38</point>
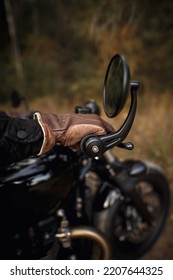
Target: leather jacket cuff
<point>48,138</point>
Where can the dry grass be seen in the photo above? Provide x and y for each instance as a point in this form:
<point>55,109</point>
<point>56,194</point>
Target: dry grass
<point>152,132</point>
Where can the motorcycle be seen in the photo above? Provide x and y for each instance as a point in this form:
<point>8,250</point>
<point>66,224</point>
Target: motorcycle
<point>85,204</point>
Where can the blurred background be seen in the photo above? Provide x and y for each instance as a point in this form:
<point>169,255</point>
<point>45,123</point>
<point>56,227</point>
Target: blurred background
<point>55,54</point>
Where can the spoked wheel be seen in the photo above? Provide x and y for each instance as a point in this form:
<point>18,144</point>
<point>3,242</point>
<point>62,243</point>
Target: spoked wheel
<point>130,235</point>
<point>129,225</point>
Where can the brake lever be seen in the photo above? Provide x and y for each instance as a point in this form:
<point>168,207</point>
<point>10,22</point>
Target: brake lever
<point>126,146</point>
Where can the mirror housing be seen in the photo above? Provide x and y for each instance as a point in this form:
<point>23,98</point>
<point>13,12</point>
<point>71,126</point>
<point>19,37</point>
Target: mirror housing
<point>116,85</point>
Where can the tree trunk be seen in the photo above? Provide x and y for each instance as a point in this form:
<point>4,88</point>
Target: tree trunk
<point>14,41</point>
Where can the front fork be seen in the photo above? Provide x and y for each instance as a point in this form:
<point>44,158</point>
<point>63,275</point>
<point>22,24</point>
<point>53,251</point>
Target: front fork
<point>125,179</point>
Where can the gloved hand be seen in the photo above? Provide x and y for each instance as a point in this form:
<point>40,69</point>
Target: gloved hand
<point>69,129</point>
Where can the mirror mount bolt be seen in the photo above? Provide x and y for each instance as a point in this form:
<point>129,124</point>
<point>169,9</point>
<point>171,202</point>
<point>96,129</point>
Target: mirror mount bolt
<point>95,149</point>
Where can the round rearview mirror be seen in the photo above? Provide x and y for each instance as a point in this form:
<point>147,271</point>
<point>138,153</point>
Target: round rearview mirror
<point>116,85</point>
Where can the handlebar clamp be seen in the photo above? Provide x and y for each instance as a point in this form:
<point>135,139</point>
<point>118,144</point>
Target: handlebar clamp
<point>92,146</point>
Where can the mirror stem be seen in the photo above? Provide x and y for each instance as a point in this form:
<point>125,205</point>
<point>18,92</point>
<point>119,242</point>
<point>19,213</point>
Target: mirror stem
<point>95,146</point>
<point>117,137</point>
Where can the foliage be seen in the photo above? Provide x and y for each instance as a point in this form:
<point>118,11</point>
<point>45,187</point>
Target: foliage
<point>65,45</point>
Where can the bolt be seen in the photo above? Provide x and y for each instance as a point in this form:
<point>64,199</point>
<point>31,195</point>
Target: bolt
<point>95,149</point>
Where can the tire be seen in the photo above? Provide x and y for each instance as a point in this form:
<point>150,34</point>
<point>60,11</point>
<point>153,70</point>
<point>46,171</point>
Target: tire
<point>133,243</point>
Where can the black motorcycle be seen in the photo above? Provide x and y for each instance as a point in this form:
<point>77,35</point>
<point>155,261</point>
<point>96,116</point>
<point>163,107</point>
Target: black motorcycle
<point>85,204</point>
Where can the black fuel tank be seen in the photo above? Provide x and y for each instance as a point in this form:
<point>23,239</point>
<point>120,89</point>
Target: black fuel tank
<point>30,193</point>
<point>39,182</point>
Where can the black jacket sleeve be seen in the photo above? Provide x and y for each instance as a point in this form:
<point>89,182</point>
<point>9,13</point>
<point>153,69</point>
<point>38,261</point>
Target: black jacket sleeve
<point>19,139</point>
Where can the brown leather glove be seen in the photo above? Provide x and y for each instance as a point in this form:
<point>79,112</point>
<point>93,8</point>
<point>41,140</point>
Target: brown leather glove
<point>69,129</point>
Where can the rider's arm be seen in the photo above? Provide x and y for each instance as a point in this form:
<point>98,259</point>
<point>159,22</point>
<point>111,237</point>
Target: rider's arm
<point>21,138</point>
<point>18,138</point>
